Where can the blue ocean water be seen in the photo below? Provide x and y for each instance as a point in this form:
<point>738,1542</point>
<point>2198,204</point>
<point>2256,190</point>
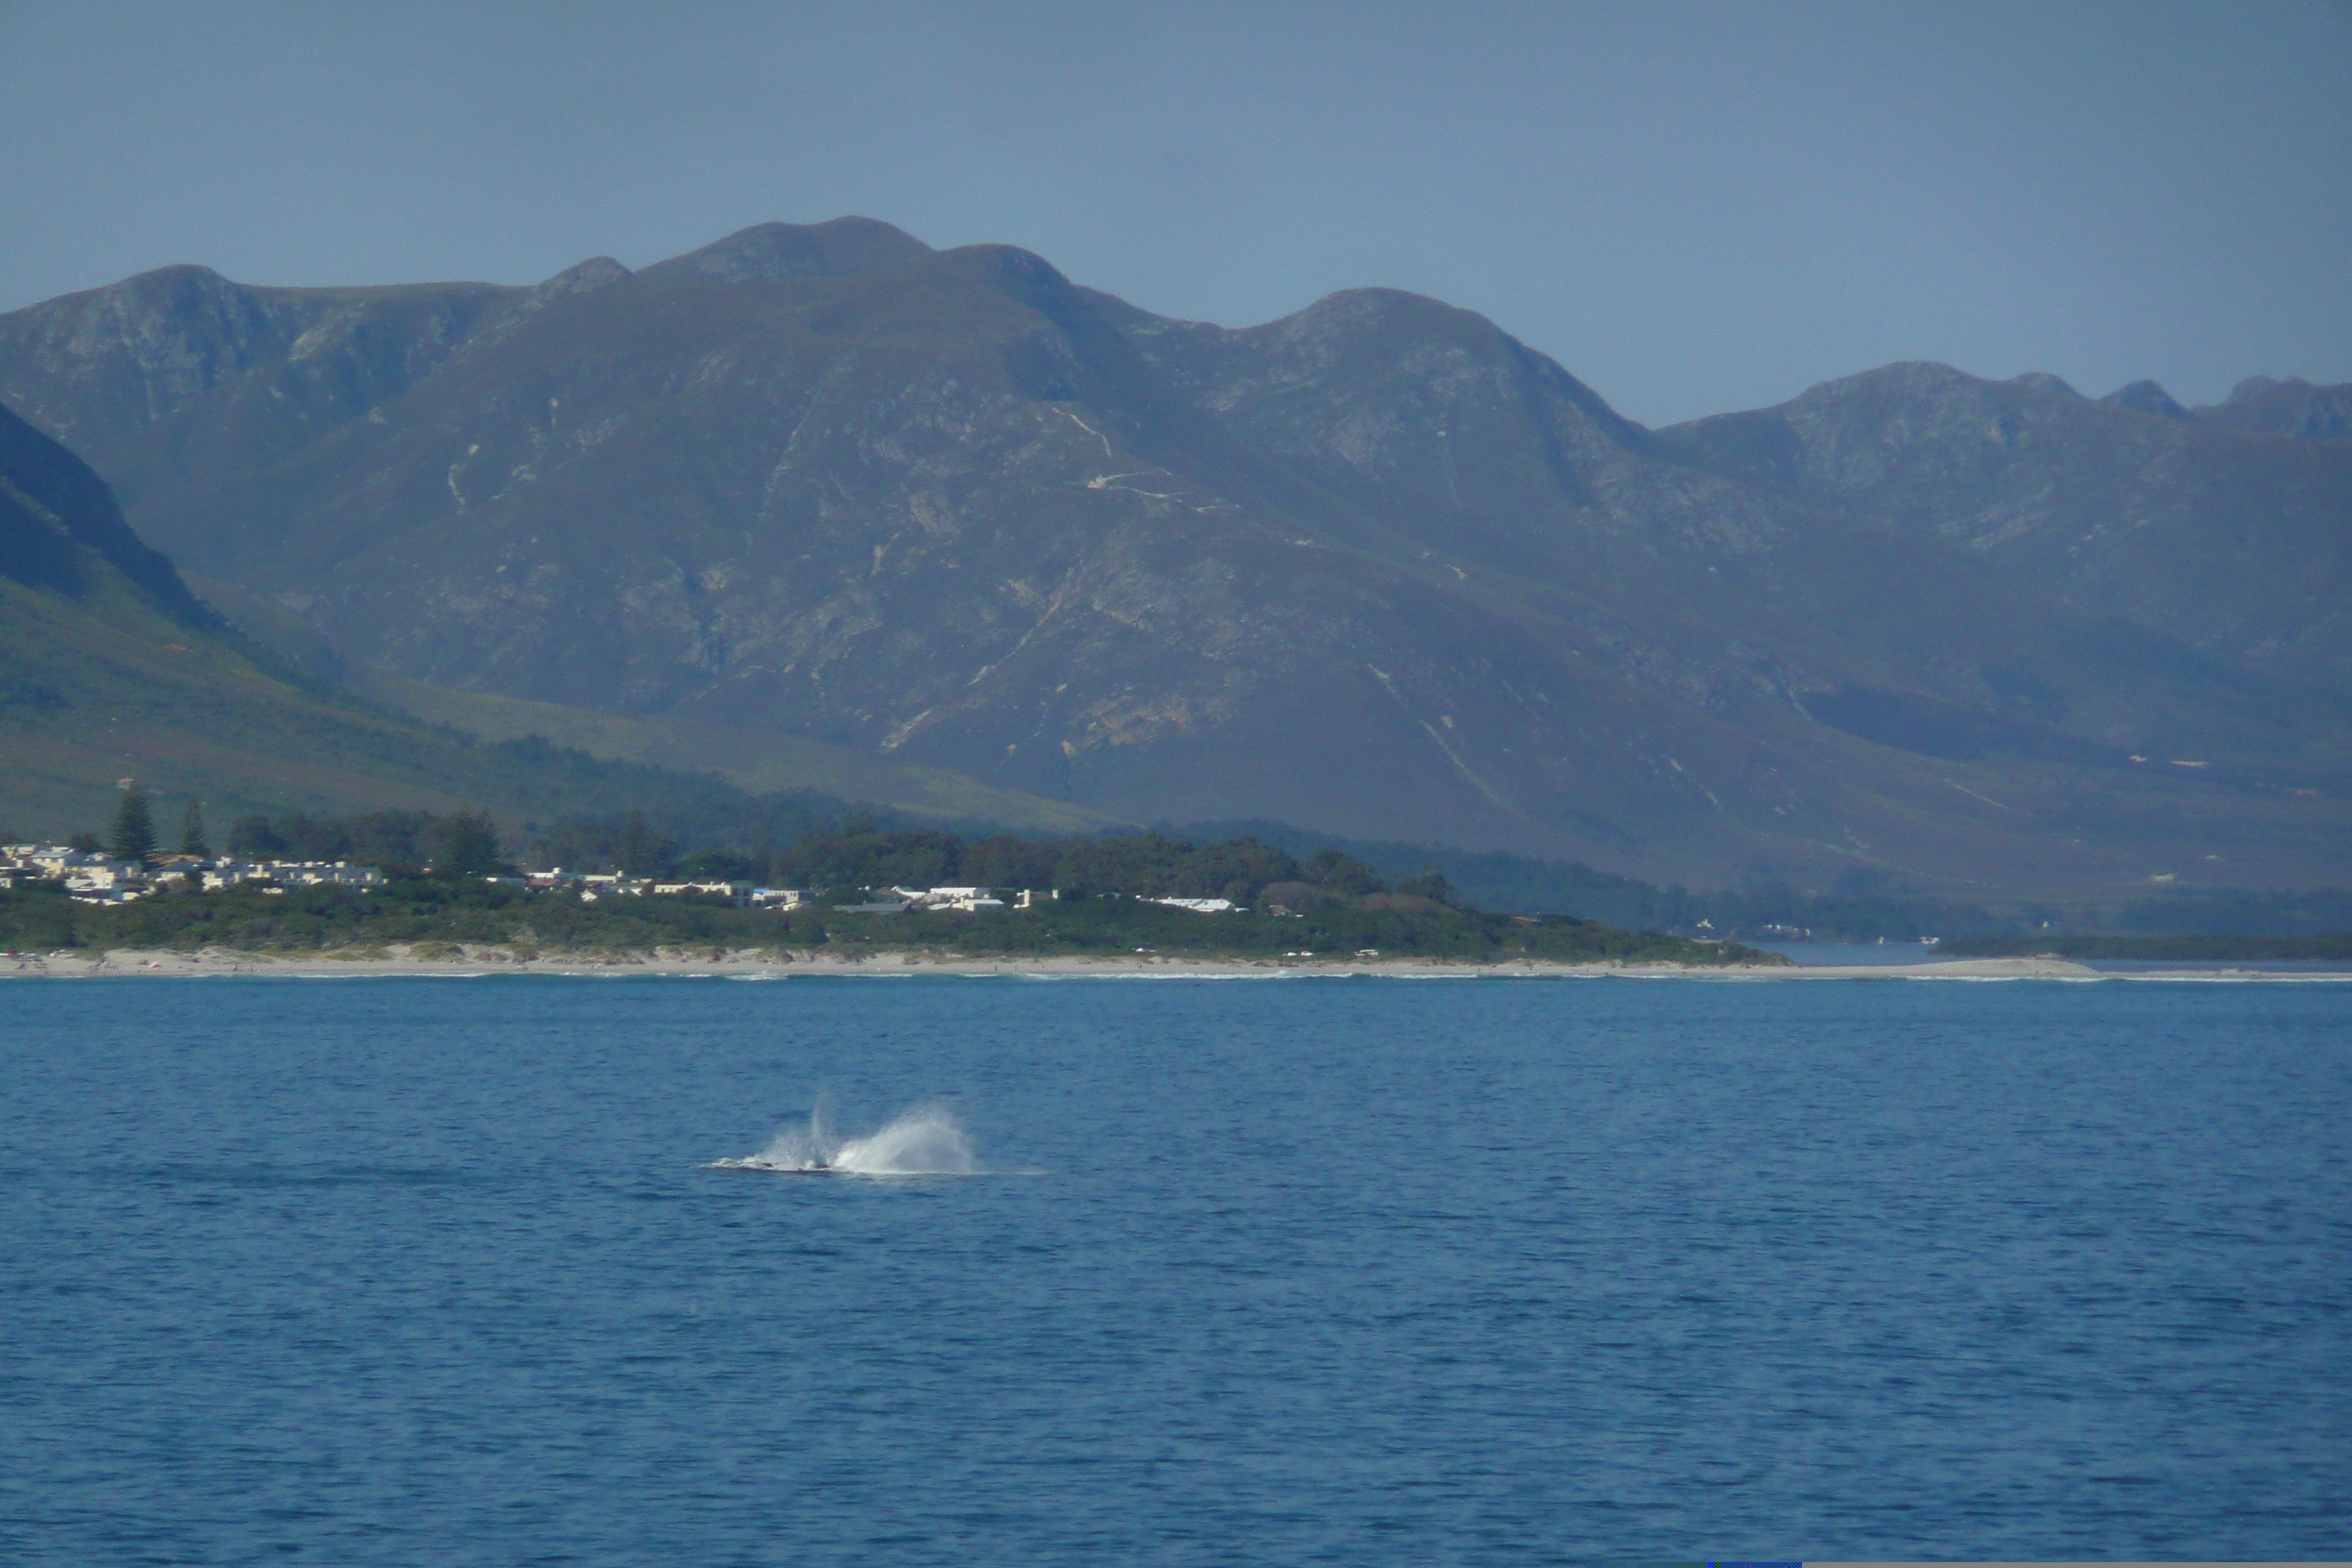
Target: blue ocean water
<point>398,1271</point>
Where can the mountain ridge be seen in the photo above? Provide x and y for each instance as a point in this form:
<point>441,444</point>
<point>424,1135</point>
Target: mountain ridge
<point>953,508</point>
<point>2126,511</point>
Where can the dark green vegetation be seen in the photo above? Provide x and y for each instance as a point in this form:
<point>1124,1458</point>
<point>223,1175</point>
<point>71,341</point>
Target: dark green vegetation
<point>2336,949</point>
<point>422,911</point>
<point>2231,913</point>
<point>133,838</point>
<point>826,847</point>
<point>1251,862</point>
<point>192,831</point>
<point>1329,904</point>
<point>464,844</point>
<point>1860,905</point>
<point>1376,569</point>
<point>1145,866</point>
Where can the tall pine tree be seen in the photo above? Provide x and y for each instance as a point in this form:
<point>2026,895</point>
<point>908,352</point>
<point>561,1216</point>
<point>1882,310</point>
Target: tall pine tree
<point>642,851</point>
<point>134,828</point>
<point>192,831</point>
<point>471,849</point>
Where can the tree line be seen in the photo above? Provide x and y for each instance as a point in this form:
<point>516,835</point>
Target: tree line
<point>856,853</point>
<point>464,843</point>
<point>861,853</point>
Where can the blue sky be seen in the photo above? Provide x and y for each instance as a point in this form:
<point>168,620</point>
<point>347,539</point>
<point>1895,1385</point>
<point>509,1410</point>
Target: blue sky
<point>1693,207</point>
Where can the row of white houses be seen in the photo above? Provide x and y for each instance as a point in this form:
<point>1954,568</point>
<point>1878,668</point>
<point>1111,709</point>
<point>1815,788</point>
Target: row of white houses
<point>99,879</point>
<point>94,877</point>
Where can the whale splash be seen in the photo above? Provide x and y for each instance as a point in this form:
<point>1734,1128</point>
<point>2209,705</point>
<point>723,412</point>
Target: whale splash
<point>922,1141</point>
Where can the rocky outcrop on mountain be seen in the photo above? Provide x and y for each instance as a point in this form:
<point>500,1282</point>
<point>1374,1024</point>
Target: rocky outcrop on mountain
<point>2234,544</point>
<point>1375,567</point>
<point>2292,408</point>
<point>177,376</point>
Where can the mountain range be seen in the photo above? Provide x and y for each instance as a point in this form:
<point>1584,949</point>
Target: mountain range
<point>1376,568</point>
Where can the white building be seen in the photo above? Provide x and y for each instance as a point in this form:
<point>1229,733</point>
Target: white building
<point>53,859</point>
<point>968,900</point>
<point>227,873</point>
<point>325,873</point>
<point>93,875</point>
<point>102,881</point>
<point>1199,906</point>
<point>739,892</point>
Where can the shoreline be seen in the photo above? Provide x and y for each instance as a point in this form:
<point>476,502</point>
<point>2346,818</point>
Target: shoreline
<point>769,965</point>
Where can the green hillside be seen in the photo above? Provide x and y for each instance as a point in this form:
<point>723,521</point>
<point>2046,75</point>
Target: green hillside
<point>757,761</point>
<point>110,670</point>
<point>105,685</point>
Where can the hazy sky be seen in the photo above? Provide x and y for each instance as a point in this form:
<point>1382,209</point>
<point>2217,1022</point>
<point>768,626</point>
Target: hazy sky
<point>1693,207</point>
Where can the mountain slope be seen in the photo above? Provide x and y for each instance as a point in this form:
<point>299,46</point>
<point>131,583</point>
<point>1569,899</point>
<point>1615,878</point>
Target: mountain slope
<point>61,530</point>
<point>1478,449</point>
<point>110,666</point>
<point>758,763</point>
<point>1376,568</point>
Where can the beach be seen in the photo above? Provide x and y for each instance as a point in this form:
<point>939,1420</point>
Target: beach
<point>473,962</point>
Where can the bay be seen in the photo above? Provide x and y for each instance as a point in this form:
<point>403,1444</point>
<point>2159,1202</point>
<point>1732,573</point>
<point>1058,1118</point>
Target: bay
<point>395,1271</point>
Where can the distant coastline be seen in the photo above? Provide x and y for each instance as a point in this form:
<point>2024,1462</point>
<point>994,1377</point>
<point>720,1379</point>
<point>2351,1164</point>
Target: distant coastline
<point>2194,949</point>
<point>771,963</point>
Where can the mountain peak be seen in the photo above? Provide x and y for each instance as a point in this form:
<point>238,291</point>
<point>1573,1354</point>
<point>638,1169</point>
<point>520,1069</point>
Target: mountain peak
<point>1008,263</point>
<point>2255,387</point>
<point>2042,381</point>
<point>2291,407</point>
<point>1371,308</point>
<point>581,277</point>
<point>775,252</point>
<point>1904,378</point>
<point>2148,398</point>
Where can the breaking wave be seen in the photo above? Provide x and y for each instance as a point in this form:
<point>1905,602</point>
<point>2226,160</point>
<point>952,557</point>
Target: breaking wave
<point>921,1141</point>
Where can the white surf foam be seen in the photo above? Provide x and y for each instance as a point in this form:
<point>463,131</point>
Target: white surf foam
<point>924,1141</point>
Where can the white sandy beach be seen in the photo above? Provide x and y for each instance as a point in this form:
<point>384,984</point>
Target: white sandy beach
<point>757,963</point>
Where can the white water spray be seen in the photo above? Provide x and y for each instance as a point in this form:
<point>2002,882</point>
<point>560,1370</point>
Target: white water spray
<point>922,1141</point>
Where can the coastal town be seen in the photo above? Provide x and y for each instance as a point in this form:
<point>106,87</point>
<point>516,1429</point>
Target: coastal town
<point>359,887</point>
<point>94,877</point>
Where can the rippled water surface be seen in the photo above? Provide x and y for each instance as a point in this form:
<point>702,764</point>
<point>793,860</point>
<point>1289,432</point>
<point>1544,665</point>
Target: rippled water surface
<point>378,1272</point>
